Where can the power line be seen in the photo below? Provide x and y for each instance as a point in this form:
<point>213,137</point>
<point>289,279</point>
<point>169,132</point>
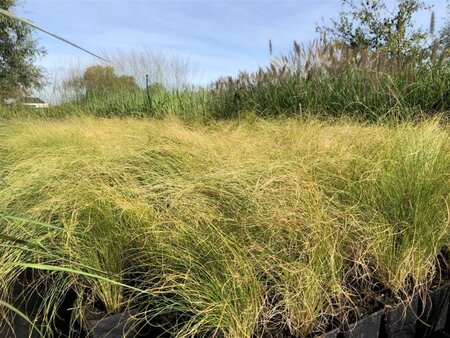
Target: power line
<point>15,17</point>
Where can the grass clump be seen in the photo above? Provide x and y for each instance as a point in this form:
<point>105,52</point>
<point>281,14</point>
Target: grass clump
<point>227,230</point>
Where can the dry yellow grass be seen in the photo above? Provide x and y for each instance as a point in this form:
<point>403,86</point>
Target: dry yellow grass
<point>239,227</point>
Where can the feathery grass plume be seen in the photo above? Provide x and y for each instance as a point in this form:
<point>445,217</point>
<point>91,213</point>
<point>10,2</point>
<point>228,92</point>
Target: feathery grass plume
<point>333,79</point>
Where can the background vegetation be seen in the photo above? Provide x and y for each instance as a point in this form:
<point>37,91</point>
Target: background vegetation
<point>18,52</point>
<point>370,63</point>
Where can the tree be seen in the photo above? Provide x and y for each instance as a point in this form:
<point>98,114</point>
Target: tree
<point>99,80</point>
<point>18,52</point>
<point>369,23</point>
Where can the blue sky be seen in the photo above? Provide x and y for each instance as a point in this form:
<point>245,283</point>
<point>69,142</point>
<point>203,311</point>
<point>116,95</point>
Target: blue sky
<point>218,37</point>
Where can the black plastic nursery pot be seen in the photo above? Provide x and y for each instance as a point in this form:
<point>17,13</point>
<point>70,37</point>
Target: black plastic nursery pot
<point>123,325</point>
<point>16,327</point>
<point>28,301</point>
<point>368,327</point>
<point>120,325</point>
<point>330,334</point>
<point>433,311</point>
<point>399,321</point>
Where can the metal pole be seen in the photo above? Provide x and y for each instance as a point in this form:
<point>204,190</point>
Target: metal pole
<point>147,89</point>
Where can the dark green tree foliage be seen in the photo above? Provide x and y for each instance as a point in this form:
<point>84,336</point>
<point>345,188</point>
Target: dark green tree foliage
<point>370,24</point>
<point>18,52</point>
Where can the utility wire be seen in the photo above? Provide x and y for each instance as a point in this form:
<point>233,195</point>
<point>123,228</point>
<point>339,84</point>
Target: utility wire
<point>15,17</point>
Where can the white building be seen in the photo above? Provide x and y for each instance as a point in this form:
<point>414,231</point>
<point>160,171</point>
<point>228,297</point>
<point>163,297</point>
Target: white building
<point>33,102</point>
